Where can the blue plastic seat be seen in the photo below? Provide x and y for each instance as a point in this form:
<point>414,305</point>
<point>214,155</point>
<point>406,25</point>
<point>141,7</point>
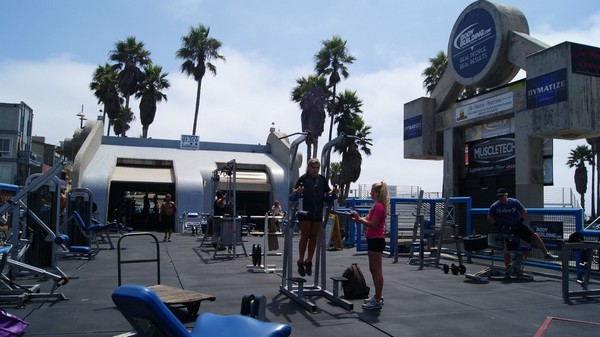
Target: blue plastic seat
<point>149,316</point>
<point>94,232</point>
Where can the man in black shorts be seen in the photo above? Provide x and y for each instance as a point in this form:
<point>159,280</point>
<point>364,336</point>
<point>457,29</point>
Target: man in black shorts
<point>508,214</point>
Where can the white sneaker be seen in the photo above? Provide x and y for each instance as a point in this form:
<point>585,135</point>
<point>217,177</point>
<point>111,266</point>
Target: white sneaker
<point>372,304</point>
<point>550,256</point>
<point>373,299</point>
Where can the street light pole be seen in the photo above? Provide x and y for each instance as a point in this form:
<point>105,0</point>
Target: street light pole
<point>81,117</point>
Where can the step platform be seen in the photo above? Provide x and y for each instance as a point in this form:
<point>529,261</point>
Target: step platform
<point>173,297</point>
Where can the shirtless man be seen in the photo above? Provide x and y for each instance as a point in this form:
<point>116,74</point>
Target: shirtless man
<point>167,216</point>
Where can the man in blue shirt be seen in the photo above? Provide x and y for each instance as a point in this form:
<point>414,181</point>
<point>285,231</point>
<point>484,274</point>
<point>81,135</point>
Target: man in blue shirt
<point>508,214</point>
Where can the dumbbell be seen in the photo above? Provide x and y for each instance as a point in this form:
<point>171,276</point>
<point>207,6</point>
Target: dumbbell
<point>458,269</point>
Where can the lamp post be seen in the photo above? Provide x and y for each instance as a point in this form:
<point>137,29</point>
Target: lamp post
<point>81,117</point>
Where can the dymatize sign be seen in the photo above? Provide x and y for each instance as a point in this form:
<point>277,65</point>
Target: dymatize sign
<point>492,156</point>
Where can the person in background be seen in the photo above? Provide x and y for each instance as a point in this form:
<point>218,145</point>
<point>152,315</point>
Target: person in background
<point>155,210</point>
<point>314,188</point>
<point>276,211</point>
<point>63,205</point>
<point>146,209</point>
<point>219,203</point>
<point>375,234</point>
<point>508,215</point>
<point>167,216</point>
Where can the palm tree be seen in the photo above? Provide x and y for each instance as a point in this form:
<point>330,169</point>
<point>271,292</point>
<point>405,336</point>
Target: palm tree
<point>197,51</point>
<point>104,84</point>
<point>349,121</point>
<point>122,121</point>
<point>595,143</point>
<point>335,169</point>
<point>129,56</point>
<point>331,61</point>
<point>578,157</point>
<point>433,73</point>
<point>311,95</point>
<point>352,158</point>
<point>152,82</point>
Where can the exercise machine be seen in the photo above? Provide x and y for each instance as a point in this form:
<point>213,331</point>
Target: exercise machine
<point>501,244</point>
<point>15,251</point>
<point>297,288</point>
<point>226,232</point>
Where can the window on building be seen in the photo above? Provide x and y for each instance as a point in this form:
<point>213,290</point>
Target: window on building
<point>5,174</point>
<point>5,148</point>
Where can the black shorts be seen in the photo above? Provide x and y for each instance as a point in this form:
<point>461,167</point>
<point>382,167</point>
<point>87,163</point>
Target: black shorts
<point>168,222</point>
<point>523,232</point>
<point>376,245</point>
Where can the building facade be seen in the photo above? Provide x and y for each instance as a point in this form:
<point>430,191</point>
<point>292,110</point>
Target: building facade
<point>17,158</point>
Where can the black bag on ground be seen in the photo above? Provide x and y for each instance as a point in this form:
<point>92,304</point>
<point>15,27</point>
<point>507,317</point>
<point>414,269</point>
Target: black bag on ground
<point>355,287</point>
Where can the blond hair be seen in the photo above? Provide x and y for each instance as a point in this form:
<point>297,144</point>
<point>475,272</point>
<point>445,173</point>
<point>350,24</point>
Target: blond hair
<point>383,195</point>
<point>311,162</point>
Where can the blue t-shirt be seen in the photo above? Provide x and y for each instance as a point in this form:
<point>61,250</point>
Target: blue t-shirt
<point>506,214</point>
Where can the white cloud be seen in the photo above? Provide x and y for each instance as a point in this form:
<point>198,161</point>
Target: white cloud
<point>250,92</point>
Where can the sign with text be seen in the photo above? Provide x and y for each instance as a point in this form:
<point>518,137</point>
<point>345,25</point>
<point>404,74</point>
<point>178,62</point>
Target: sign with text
<point>585,59</point>
<point>492,156</point>
<point>189,142</point>
<point>551,232</point>
<point>485,107</point>
<point>547,89</point>
<point>413,127</point>
<point>473,43</point>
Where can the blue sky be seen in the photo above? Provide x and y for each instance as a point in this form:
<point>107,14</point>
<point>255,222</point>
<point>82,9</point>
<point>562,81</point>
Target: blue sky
<point>51,48</point>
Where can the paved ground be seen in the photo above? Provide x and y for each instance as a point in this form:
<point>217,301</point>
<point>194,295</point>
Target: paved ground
<point>417,302</point>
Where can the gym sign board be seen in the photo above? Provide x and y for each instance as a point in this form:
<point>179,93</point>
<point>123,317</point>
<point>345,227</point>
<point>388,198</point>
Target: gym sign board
<point>189,142</point>
<point>413,127</point>
<point>478,45</point>
<point>491,156</point>
<point>547,89</point>
<point>485,107</point>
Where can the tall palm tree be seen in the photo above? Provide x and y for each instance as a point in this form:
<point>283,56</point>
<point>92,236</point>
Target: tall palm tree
<point>104,84</point>
<point>331,62</point>
<point>152,82</point>
<point>595,144</point>
<point>197,51</point>
<point>578,157</point>
<point>349,121</point>
<point>352,157</point>
<point>129,56</point>
<point>311,95</point>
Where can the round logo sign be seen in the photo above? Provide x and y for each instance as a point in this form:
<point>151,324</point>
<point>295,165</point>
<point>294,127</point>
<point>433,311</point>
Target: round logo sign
<point>479,44</point>
<point>473,43</point>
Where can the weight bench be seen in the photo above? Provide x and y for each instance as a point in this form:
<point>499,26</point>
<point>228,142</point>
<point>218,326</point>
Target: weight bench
<point>504,244</point>
<point>94,232</point>
<point>150,317</point>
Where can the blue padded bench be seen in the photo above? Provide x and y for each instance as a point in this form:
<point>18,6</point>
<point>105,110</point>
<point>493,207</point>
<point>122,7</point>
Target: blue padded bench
<point>149,316</point>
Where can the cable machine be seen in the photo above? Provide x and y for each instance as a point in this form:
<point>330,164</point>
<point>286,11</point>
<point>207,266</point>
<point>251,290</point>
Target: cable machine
<point>228,231</point>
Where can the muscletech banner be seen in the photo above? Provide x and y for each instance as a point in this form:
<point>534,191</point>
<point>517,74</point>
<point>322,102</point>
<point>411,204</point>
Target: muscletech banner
<point>491,156</point>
